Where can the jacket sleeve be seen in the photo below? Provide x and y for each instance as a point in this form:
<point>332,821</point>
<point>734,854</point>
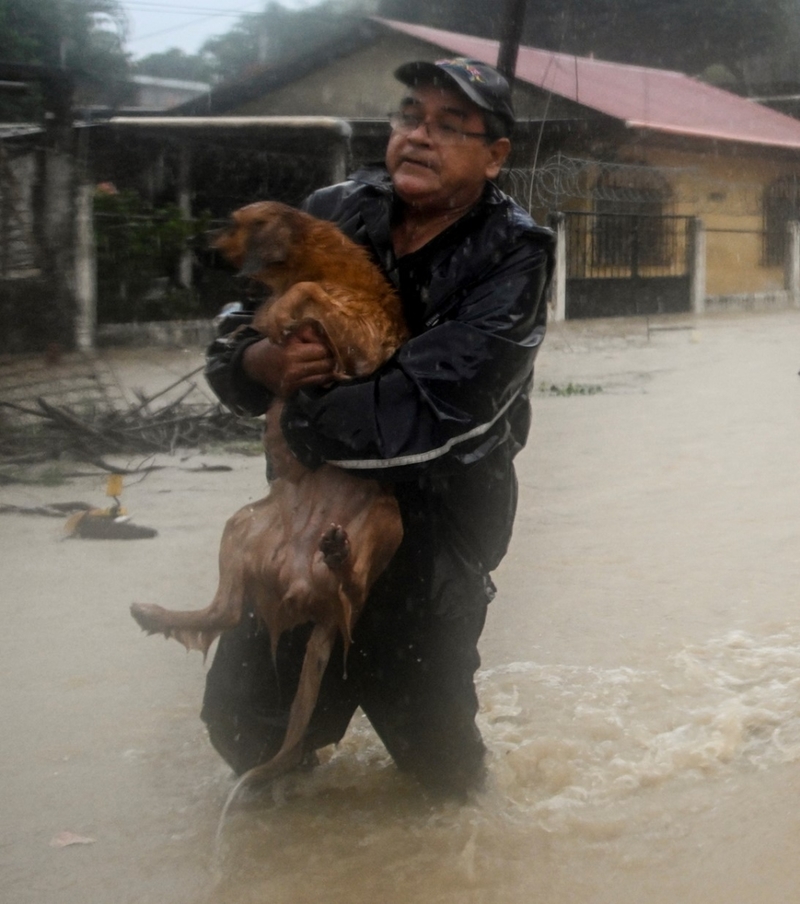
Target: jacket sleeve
<point>442,398</point>
<point>224,372</point>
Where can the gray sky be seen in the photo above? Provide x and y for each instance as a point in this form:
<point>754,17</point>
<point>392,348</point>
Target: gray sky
<point>156,25</point>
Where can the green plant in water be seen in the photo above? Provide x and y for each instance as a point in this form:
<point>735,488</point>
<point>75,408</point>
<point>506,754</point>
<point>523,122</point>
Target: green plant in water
<point>51,477</point>
<point>571,389</point>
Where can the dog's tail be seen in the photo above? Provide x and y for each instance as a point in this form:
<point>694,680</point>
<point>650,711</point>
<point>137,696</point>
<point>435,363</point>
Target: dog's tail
<point>318,652</point>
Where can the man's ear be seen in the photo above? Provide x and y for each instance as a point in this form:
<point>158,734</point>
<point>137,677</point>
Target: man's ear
<point>498,154</point>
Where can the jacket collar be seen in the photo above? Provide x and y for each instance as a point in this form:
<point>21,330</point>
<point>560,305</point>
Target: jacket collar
<point>378,214</point>
<point>377,176</point>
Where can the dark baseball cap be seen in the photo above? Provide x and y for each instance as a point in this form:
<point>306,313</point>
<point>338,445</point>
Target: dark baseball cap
<point>482,84</point>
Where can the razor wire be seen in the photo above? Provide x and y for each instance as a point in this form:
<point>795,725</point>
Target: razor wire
<point>564,181</point>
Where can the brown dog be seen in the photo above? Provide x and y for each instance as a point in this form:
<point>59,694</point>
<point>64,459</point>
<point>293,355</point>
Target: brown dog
<point>311,550</point>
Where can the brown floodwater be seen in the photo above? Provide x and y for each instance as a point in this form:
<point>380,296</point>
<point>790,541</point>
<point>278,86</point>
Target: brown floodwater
<point>640,684</point>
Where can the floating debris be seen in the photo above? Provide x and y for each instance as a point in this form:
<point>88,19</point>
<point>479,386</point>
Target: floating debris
<point>65,839</point>
<point>112,523</point>
<point>49,509</point>
<point>104,524</point>
<point>102,428</point>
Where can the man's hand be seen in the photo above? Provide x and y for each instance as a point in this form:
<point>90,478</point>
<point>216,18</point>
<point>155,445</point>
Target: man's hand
<point>303,360</point>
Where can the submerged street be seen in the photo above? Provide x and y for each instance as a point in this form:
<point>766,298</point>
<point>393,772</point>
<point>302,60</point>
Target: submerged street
<point>640,684</point>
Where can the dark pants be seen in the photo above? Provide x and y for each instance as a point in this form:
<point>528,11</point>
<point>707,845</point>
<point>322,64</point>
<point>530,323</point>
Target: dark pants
<point>411,669</point>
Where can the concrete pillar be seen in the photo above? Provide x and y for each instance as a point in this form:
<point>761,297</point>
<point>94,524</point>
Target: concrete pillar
<point>696,253</point>
<point>57,246</point>
<point>558,290</point>
<point>340,160</point>
<point>85,269</point>
<point>793,263</point>
<point>185,205</point>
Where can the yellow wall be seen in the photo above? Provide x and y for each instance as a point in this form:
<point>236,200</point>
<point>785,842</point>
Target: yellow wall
<point>724,188</point>
<point>721,183</point>
<point>361,85</point>
<point>358,86</point>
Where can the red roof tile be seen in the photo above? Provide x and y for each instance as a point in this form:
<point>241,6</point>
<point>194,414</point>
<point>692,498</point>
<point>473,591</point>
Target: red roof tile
<point>641,97</point>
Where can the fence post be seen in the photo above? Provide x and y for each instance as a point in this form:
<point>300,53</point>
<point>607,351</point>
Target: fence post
<point>185,205</point>
<point>558,289</point>
<point>793,263</point>
<point>340,160</point>
<point>697,265</point>
<point>85,269</point>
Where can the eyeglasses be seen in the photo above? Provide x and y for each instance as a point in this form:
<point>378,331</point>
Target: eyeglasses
<point>439,132</point>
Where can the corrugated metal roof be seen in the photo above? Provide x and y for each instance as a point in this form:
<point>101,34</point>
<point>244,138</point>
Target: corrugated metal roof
<point>641,97</point>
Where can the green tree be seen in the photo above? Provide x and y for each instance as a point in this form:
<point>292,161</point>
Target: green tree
<point>84,37</point>
<point>687,35</point>
<point>271,36</point>
<point>175,63</point>
<point>138,252</point>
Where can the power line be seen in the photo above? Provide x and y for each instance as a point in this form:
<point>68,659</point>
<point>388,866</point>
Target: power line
<point>183,25</point>
<point>184,10</point>
<point>172,7</point>
<point>155,6</point>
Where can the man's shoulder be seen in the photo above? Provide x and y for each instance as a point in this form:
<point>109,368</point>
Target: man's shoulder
<point>365,186</point>
<point>512,219</point>
<point>503,229</point>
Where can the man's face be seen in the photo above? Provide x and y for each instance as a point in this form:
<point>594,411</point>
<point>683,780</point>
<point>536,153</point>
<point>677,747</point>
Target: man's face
<point>437,175</point>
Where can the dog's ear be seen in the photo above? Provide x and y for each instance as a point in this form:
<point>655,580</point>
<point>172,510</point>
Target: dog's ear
<point>267,243</point>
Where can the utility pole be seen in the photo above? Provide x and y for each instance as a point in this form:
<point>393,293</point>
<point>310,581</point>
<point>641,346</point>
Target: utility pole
<point>513,18</point>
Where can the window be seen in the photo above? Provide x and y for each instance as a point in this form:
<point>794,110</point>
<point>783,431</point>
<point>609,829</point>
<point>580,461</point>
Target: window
<point>781,206</point>
<point>631,227</point>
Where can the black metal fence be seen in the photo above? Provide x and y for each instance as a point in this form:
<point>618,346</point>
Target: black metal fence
<point>626,245</point>
<point>781,205</point>
<point>623,264</point>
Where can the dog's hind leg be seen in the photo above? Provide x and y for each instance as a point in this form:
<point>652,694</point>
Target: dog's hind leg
<point>196,629</point>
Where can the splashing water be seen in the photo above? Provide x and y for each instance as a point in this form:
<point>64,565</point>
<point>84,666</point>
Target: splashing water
<point>578,756</point>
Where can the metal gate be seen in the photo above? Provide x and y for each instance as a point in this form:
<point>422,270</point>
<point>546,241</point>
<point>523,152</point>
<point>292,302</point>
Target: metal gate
<point>623,264</point>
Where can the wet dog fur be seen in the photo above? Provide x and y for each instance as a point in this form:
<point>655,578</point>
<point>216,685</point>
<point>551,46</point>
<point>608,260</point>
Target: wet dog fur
<point>313,547</point>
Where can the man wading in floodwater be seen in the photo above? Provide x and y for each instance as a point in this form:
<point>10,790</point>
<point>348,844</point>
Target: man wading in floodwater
<point>441,421</point>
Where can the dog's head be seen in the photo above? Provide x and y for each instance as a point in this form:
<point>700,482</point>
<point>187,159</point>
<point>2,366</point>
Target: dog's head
<point>259,241</point>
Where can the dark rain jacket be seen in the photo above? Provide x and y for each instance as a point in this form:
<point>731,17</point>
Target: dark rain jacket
<point>444,418</point>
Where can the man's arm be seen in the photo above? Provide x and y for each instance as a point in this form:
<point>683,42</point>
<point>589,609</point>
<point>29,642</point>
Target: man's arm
<point>444,394</point>
<point>223,370</point>
<point>247,371</point>
<point>300,361</point>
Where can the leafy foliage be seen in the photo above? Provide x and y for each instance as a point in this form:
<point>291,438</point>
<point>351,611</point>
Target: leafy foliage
<point>258,39</point>
<point>138,250</point>
<point>175,63</point>
<point>688,35</point>
<point>571,389</point>
<point>84,37</point>
<point>737,40</point>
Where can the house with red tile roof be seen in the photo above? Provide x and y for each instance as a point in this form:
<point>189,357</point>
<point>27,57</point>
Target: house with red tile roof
<point>641,167</point>
<point>668,194</point>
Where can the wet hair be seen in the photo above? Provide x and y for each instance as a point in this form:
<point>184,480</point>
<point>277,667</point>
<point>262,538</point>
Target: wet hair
<point>495,126</point>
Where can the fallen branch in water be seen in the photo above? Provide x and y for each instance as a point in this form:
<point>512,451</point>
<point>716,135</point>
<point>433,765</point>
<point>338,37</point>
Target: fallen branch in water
<point>90,433</point>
